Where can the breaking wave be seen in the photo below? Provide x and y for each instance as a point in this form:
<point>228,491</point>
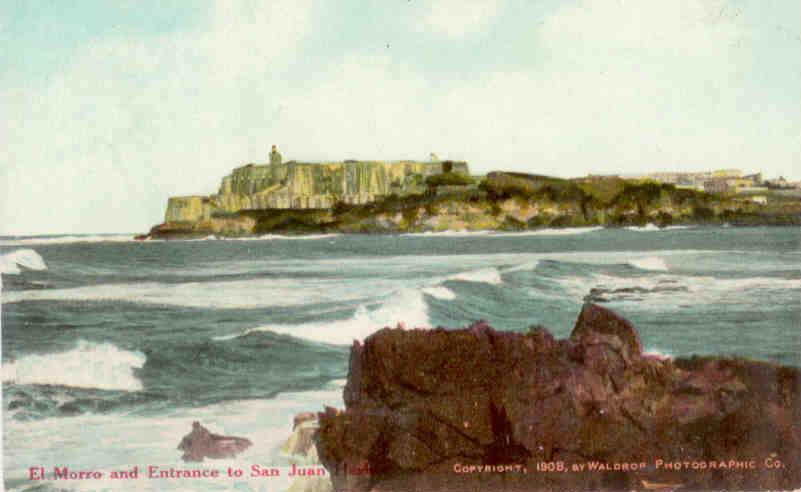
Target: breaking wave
<point>488,276</point>
<point>489,233</point>
<point>89,365</point>
<point>567,231</point>
<point>440,292</point>
<point>450,233</point>
<point>44,240</point>
<point>647,227</point>
<point>10,263</point>
<point>270,237</point>
<point>649,263</point>
<point>242,294</point>
<point>653,227</point>
<point>407,306</point>
<point>658,354</point>
<point>666,290</point>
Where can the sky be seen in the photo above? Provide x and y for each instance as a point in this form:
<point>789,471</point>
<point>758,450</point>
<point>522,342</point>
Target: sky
<point>109,107</point>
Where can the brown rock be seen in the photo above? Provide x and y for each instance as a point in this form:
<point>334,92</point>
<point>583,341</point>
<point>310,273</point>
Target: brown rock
<point>303,417</point>
<point>200,443</point>
<point>301,442</point>
<point>421,404</point>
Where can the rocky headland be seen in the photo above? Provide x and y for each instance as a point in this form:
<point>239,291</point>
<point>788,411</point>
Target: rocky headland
<point>410,196</point>
<point>480,409</point>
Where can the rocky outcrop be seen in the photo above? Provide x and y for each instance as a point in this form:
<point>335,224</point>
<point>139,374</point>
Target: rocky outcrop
<point>376,197</point>
<point>479,409</point>
<point>200,444</point>
<point>301,443</point>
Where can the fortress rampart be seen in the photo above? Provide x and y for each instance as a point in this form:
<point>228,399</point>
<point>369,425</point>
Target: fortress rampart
<point>308,185</point>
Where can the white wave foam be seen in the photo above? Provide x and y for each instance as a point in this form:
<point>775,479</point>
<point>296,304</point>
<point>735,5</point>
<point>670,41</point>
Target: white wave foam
<point>649,263</point>
<point>669,290</point>
<point>89,365</point>
<point>242,294</point>
<point>406,306</point>
<point>487,275</point>
<point>489,233</point>
<point>440,292</point>
<point>271,237</point>
<point>27,258</point>
<point>567,231</point>
<point>44,240</point>
<point>526,266</point>
<point>449,233</point>
<point>647,227</point>
<point>658,354</point>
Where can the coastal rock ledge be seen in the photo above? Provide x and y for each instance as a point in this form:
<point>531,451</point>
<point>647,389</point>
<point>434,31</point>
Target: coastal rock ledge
<point>479,409</point>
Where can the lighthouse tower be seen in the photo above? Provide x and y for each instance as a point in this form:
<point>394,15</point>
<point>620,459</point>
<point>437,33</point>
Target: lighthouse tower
<point>275,156</point>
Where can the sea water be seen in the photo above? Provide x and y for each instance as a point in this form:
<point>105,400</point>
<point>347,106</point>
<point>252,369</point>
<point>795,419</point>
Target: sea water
<point>113,347</point>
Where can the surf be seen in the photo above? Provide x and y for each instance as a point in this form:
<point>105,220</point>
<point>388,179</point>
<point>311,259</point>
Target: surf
<point>89,365</point>
<point>407,306</point>
<point>10,263</point>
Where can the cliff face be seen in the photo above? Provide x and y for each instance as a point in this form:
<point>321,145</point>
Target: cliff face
<point>358,197</point>
<point>478,409</point>
<point>299,185</point>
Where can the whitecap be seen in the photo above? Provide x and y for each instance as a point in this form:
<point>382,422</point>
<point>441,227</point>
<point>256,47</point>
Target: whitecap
<point>487,276</point>
<point>242,294</point>
<point>664,290</point>
<point>406,306</point>
<point>647,227</point>
<point>526,266</point>
<point>450,233</point>
<point>658,354</point>
<point>654,263</point>
<point>10,263</point>
<point>296,237</point>
<point>88,365</point>
<point>566,231</point>
<point>440,292</point>
<point>45,240</point>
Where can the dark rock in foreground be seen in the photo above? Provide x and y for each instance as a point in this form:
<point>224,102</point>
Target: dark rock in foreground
<point>484,410</point>
<point>200,443</point>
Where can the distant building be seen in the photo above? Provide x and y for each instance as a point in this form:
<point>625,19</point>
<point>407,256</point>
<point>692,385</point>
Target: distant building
<point>738,185</point>
<point>779,183</point>
<point>756,178</point>
<point>718,185</point>
<point>727,173</point>
<point>760,199</point>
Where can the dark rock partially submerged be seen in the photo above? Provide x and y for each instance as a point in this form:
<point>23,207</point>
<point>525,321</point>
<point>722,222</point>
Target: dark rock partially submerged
<point>200,443</point>
<point>422,406</point>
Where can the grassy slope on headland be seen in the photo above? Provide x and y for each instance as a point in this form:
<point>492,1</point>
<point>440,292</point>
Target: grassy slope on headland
<point>507,201</point>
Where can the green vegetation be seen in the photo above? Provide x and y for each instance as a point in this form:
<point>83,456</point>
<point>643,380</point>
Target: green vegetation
<point>507,201</point>
<point>448,179</point>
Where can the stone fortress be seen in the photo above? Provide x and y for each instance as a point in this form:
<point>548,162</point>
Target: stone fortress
<point>308,185</point>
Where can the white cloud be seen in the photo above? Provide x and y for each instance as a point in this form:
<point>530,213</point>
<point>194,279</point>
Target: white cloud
<point>685,27</point>
<point>131,120</point>
<point>366,107</point>
<point>245,36</point>
<point>457,18</point>
<point>613,87</point>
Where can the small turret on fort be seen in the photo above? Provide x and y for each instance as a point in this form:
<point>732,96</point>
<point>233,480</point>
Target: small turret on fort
<point>309,185</point>
<point>275,157</point>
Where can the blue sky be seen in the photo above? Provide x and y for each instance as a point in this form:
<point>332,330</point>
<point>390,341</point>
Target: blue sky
<point>109,107</point>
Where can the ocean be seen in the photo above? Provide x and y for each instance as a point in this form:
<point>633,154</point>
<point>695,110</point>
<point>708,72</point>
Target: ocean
<point>111,347</point>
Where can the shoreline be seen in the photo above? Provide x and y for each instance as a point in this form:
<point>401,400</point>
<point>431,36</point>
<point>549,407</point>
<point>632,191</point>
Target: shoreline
<point>322,234</point>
